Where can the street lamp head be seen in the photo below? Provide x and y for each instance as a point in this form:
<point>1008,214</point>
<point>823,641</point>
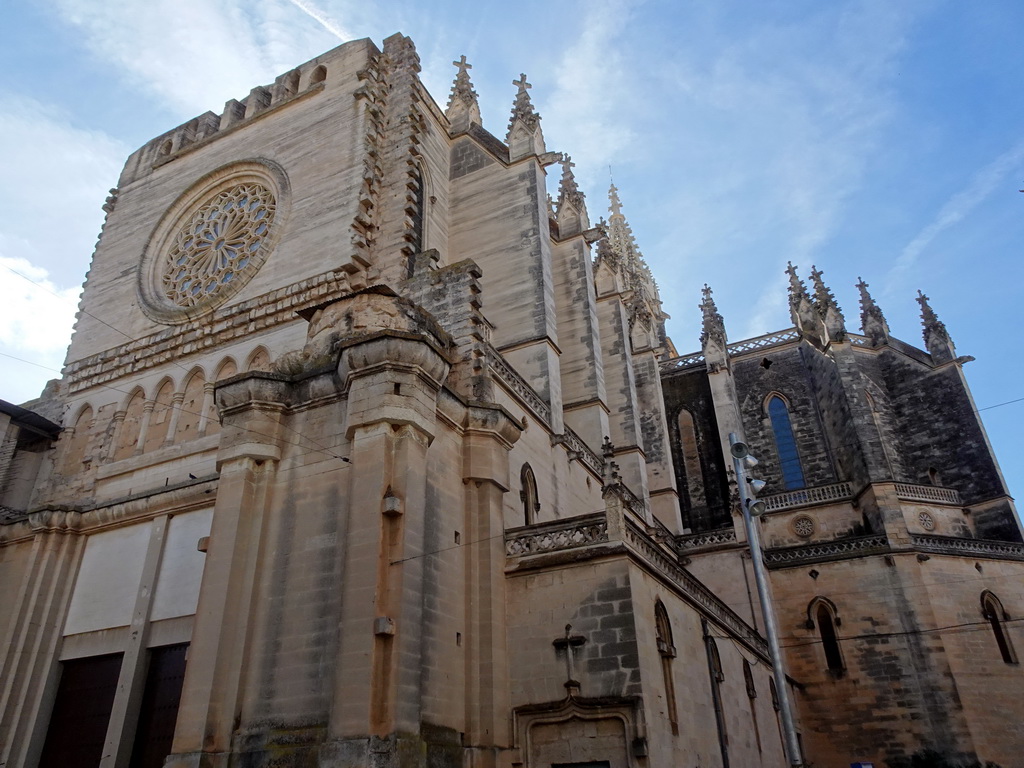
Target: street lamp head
<point>756,507</point>
<point>738,448</point>
<point>756,486</point>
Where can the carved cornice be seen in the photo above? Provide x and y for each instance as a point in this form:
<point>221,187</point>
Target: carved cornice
<point>227,324</point>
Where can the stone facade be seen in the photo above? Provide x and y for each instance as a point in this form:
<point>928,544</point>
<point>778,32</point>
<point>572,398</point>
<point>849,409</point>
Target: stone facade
<point>368,452</point>
<point>893,533</point>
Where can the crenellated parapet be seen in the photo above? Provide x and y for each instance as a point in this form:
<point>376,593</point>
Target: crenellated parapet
<point>299,83</point>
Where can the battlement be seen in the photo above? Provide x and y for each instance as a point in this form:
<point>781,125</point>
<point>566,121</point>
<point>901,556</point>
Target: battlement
<point>299,83</point>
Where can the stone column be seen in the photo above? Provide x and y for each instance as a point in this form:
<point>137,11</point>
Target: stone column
<point>29,670</point>
<point>172,424</point>
<point>253,410</point>
<point>117,424</point>
<point>620,383</point>
<point>489,436</point>
<point>581,366</point>
<point>393,379</point>
<point>147,412</point>
<point>204,415</point>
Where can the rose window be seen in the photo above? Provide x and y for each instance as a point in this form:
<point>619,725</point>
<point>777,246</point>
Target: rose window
<point>218,244</point>
<point>927,521</point>
<point>803,526</point>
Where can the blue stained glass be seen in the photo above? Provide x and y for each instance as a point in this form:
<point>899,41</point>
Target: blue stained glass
<point>785,442</point>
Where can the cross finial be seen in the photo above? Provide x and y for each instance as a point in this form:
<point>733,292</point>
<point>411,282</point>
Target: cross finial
<point>461,64</point>
<point>521,83</point>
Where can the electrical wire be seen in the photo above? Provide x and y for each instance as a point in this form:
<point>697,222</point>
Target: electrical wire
<point>971,626</point>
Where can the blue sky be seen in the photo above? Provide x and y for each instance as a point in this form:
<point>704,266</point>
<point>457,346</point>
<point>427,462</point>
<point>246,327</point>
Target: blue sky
<point>874,139</point>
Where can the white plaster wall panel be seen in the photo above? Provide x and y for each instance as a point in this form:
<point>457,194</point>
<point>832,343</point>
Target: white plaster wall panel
<point>108,580</point>
<point>181,570</point>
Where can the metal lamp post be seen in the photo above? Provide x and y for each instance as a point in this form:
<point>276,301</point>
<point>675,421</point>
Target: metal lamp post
<point>752,507</point>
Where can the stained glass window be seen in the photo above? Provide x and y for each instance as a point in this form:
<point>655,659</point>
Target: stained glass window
<point>785,443</point>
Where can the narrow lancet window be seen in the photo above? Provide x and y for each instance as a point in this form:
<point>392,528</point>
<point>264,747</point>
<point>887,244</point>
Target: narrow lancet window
<point>691,460</point>
<point>785,443</point>
<point>993,612</point>
<point>826,622</point>
<point>528,495</point>
<point>667,651</point>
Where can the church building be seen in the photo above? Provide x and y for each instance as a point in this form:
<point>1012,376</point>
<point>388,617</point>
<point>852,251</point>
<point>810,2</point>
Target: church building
<point>371,451</point>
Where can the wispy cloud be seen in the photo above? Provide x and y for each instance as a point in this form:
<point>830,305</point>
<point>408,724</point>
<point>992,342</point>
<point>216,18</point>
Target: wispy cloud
<point>982,184</point>
<point>322,19</point>
<point>56,177</point>
<point>593,94</point>
<point>779,122</point>
<point>196,54</point>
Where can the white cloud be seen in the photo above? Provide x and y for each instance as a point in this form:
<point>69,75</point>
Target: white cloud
<point>588,112</point>
<point>36,317</point>
<point>36,314</point>
<point>197,54</point>
<point>56,177</point>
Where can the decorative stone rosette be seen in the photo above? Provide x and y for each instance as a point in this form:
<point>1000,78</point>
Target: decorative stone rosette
<point>212,241</point>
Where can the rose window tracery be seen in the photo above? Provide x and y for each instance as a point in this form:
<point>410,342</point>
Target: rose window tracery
<point>218,243</point>
<point>927,521</point>
<point>803,526</point>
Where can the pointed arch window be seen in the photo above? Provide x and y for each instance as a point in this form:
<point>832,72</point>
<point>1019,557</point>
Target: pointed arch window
<point>77,453</point>
<point>785,444</point>
<point>748,680</point>
<point>131,424</point>
<point>528,495</point>
<point>992,611</point>
<point>691,459</point>
<point>187,427</point>
<point>822,612</point>
<point>717,677</point>
<point>159,417</point>
<point>667,651</point>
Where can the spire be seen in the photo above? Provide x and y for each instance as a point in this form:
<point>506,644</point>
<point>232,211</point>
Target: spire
<point>831,314</point>
<point>713,340</point>
<point>572,210</point>
<point>872,322</point>
<point>568,190</point>
<point>615,203</point>
<point>524,135</point>
<point>801,308</point>
<point>936,337</point>
<point>713,326</point>
<point>631,274</point>
<point>463,108</point>
<point>635,270</point>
